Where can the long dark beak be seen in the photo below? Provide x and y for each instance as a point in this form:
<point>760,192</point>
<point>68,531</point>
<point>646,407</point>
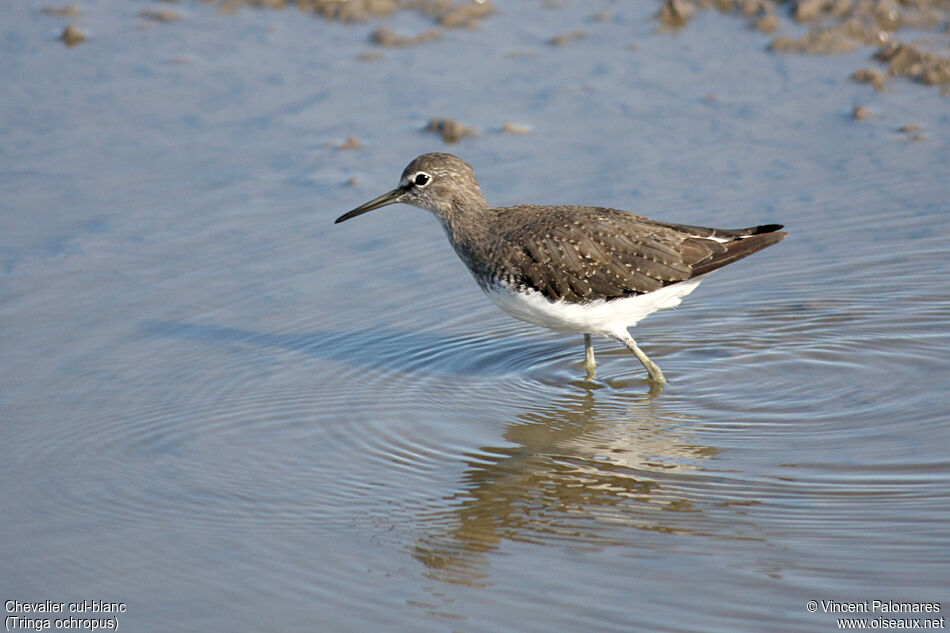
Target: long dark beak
<point>392,197</point>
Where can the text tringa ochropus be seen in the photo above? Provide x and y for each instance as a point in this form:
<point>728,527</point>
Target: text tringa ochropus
<point>588,270</point>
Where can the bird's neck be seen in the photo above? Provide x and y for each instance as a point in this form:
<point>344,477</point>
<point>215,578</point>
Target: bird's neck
<point>468,230</point>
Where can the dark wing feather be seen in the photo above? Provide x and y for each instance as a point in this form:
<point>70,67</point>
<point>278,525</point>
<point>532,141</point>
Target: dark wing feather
<point>737,249</point>
<point>580,254</point>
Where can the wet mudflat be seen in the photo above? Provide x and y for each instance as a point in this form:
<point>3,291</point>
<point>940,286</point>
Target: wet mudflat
<point>228,413</point>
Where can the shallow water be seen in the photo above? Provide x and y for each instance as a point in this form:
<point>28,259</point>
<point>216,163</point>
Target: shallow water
<point>228,413</point>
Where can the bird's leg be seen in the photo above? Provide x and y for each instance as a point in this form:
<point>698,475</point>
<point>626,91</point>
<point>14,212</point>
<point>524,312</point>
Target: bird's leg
<point>655,374</point>
<point>589,363</point>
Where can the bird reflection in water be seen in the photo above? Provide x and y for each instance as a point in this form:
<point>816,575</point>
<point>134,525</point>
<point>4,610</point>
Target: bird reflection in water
<point>575,471</point>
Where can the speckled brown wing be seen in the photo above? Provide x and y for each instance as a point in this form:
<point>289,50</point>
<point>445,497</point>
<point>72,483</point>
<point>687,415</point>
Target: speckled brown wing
<point>581,254</point>
<point>706,249</point>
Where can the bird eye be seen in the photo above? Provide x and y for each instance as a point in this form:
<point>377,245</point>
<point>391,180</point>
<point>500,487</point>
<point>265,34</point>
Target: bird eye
<point>422,179</point>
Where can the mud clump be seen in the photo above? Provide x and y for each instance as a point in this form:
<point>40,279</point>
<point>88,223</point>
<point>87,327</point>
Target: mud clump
<point>350,143</point>
<point>348,10</point>
<point>160,15</point>
<point>911,132</point>
<point>871,76</point>
<point>67,11</point>
<point>73,35</point>
<point>371,56</point>
<point>515,129</point>
<point>465,16</point>
<point>811,10</point>
<point>860,113</point>
<point>675,14</point>
<point>450,130</point>
<point>768,23</point>
<point>566,38</point>
<point>385,36</point>
<point>908,60</point>
<point>841,38</point>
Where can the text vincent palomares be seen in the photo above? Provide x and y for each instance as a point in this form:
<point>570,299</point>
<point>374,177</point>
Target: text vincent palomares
<point>879,606</point>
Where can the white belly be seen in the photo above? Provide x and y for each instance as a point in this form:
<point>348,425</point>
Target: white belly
<point>605,318</point>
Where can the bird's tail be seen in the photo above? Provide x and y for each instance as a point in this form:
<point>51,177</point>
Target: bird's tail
<point>744,242</point>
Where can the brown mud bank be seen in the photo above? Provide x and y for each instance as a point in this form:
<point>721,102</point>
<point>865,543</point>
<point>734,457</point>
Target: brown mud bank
<point>912,36</point>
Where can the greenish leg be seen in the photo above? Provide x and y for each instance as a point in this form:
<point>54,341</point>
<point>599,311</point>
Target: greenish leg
<point>589,364</point>
<point>655,374</point>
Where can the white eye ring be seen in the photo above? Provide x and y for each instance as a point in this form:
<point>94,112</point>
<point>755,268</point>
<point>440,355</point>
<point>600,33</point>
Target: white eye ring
<point>421,179</point>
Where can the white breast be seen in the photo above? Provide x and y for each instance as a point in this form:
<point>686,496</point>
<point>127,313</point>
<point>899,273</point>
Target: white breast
<point>605,318</point>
